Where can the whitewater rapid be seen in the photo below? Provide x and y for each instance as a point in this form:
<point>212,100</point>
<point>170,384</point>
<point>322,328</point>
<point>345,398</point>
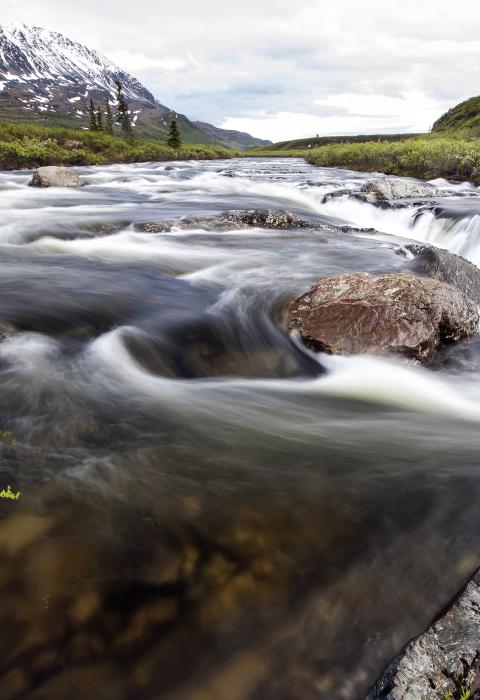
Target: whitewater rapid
<point>183,461</point>
<point>68,224</point>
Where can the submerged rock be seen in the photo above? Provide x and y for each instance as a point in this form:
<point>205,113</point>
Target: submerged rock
<point>336,194</point>
<point>6,330</point>
<point>413,248</point>
<point>392,313</point>
<point>55,176</point>
<point>238,219</point>
<point>441,660</point>
<point>386,188</point>
<point>154,227</point>
<point>448,267</point>
<point>267,218</point>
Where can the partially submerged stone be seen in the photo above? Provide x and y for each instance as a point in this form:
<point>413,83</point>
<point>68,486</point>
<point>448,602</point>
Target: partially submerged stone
<point>441,660</point>
<point>6,330</point>
<point>386,188</point>
<point>55,176</point>
<point>266,218</point>
<point>154,227</point>
<point>242,218</point>
<point>385,314</point>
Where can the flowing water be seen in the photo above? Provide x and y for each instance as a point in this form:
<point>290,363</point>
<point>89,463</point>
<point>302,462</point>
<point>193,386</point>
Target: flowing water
<point>207,510</point>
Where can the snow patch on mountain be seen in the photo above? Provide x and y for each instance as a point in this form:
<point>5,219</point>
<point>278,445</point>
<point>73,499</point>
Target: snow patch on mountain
<point>32,54</point>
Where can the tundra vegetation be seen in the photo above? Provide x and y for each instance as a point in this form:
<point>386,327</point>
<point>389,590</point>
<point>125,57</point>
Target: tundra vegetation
<point>31,146</point>
<point>451,150</point>
<point>433,155</point>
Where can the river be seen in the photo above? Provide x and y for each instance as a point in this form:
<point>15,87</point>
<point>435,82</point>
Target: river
<point>207,510</point>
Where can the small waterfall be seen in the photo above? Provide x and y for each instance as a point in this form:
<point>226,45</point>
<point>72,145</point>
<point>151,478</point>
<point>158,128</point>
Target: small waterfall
<point>455,228</point>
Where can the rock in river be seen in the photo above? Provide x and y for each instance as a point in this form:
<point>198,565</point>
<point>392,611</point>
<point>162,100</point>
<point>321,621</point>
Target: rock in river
<point>55,176</point>
<point>6,330</point>
<point>450,268</point>
<point>385,188</point>
<point>266,218</point>
<point>442,660</point>
<point>392,313</point>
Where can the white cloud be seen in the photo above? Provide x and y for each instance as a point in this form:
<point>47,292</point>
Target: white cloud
<point>356,114</point>
<point>283,70</point>
<point>140,61</point>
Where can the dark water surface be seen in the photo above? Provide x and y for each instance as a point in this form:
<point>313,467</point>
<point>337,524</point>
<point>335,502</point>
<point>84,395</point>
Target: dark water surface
<point>208,511</point>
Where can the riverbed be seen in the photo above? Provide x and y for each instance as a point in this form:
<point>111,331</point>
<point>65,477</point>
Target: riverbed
<point>207,509</point>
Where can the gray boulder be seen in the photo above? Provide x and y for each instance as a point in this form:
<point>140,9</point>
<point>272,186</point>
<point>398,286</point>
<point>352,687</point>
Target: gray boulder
<point>55,176</point>
<point>385,188</point>
<point>386,314</point>
<point>449,268</point>
<point>440,661</point>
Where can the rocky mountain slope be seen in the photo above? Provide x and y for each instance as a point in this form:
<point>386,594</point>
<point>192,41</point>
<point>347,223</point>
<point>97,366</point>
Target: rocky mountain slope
<point>231,138</point>
<point>45,77</point>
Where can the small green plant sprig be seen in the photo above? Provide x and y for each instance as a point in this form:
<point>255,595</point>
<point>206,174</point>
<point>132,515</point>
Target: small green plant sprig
<point>7,438</point>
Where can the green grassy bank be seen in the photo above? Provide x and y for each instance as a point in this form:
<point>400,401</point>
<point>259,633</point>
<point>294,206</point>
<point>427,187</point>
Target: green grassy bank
<point>430,156</point>
<point>31,146</point>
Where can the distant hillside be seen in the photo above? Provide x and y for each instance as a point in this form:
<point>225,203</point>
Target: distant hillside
<point>238,140</point>
<point>316,141</point>
<point>49,79</point>
<point>464,117</point>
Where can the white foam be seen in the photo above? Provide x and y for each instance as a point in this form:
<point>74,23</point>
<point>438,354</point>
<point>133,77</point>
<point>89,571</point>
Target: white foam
<point>361,378</point>
<point>129,245</point>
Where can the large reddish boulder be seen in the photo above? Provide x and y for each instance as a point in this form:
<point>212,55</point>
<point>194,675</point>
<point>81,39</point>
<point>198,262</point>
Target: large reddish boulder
<point>392,313</point>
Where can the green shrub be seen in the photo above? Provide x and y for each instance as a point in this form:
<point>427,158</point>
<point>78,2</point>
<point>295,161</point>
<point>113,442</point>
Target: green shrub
<point>31,146</point>
<point>428,157</point>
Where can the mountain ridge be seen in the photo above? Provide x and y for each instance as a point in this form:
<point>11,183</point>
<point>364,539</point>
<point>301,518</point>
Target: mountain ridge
<point>238,139</point>
<point>48,78</point>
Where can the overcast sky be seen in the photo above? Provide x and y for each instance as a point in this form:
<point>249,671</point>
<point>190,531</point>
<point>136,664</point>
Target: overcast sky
<point>281,69</point>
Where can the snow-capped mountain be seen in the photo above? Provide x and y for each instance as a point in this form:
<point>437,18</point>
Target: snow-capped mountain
<point>47,77</point>
<point>32,55</point>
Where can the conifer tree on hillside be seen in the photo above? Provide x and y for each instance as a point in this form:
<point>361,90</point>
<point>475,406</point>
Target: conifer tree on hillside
<point>123,117</point>
<point>93,116</point>
<point>99,119</point>
<point>174,139</point>
<point>108,118</point>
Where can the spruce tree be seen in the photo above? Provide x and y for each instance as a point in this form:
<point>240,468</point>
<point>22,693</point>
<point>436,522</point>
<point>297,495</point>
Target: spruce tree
<point>123,117</point>
<point>174,139</point>
<point>108,118</point>
<point>99,119</point>
<point>93,116</point>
